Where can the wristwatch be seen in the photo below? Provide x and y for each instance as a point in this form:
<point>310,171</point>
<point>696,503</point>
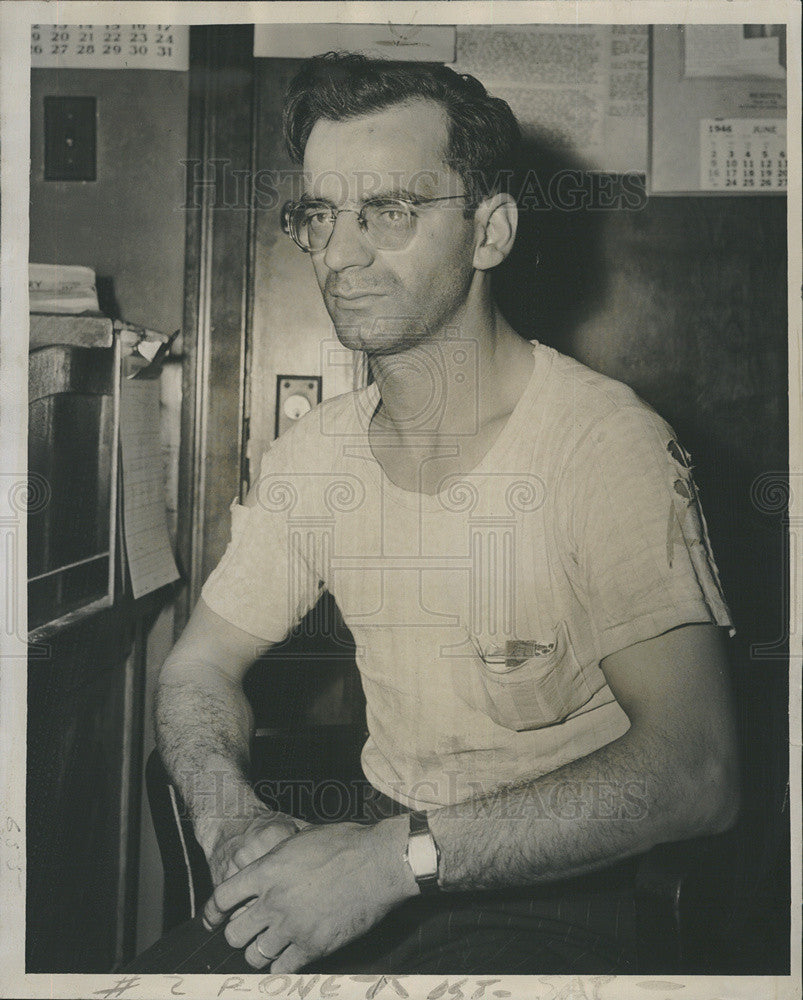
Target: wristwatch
<point>422,854</point>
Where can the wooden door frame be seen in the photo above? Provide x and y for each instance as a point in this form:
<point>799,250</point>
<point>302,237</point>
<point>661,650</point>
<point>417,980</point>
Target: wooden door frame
<point>218,298</point>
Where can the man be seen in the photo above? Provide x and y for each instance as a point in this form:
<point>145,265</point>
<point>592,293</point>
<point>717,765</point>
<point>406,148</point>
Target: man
<point>517,546</point>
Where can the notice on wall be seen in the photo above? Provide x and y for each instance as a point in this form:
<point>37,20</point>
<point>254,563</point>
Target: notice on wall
<point>735,50</point>
<point>579,88</point>
<point>408,42</point>
<point>150,558</point>
<point>743,154</point>
<point>110,46</point>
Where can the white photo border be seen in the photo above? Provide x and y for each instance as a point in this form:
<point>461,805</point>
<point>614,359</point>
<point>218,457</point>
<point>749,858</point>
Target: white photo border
<point>16,17</point>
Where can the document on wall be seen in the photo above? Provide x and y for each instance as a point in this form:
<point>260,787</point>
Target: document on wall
<point>408,42</point>
<point>735,50</point>
<point>150,559</point>
<point>579,88</point>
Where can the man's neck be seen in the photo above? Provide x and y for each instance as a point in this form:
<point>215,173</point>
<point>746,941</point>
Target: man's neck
<point>459,379</point>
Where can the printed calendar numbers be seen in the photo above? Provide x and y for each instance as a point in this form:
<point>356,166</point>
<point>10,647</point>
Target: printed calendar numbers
<point>743,154</point>
<point>110,46</point>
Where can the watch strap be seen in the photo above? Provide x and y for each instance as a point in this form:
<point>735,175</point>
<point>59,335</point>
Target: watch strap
<point>419,822</point>
<point>419,827</point>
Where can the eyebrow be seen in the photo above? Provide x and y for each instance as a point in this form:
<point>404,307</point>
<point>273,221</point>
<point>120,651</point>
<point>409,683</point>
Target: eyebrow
<point>389,193</point>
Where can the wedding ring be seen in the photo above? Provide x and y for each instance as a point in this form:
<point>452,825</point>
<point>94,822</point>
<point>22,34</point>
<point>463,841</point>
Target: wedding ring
<point>269,958</point>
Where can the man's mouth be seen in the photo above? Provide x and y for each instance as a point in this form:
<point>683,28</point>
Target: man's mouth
<point>355,300</point>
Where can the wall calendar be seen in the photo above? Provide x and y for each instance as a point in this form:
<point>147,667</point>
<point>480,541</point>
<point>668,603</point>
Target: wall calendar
<point>110,46</point>
<point>742,154</point>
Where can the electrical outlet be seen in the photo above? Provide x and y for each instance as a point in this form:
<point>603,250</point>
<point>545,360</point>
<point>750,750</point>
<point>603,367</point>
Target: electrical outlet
<point>295,396</point>
<point>70,138</point>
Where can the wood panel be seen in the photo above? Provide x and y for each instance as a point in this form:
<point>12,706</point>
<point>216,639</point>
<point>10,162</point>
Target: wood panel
<point>79,766</point>
<point>216,298</point>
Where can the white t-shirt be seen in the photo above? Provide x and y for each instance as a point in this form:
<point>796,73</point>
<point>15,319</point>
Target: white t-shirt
<point>480,613</point>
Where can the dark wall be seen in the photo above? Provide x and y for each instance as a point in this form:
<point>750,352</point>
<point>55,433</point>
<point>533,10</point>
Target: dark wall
<point>684,299</point>
<point>128,225</point>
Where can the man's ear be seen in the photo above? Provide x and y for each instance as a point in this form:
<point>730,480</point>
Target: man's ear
<point>495,222</point>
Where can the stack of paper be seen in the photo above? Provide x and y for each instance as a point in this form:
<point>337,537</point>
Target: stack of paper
<point>61,288</point>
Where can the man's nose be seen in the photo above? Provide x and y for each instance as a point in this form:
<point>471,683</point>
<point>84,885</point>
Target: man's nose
<point>347,245</point>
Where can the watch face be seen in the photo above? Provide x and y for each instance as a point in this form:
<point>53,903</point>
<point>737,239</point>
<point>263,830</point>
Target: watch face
<point>422,855</point>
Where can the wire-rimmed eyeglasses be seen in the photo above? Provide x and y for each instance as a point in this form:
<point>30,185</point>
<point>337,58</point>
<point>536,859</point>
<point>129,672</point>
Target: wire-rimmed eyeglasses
<point>388,222</point>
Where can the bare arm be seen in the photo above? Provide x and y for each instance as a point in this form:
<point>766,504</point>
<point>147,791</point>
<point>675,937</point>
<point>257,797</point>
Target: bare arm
<point>203,730</point>
<point>673,775</point>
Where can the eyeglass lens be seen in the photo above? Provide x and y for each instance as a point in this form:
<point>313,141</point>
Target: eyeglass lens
<point>388,224</point>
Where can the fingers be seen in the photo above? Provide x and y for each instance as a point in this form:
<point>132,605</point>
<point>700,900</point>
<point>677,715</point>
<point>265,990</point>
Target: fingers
<point>260,842</point>
<point>292,959</point>
<point>212,916</point>
<point>222,868</point>
<point>250,852</point>
<point>241,887</point>
<point>266,948</point>
<point>224,898</point>
<point>249,921</point>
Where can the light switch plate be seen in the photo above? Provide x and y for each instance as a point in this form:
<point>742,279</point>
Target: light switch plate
<point>70,138</point>
<point>295,396</point>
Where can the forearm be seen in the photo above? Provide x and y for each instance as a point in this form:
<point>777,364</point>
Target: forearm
<point>615,803</point>
<point>203,729</point>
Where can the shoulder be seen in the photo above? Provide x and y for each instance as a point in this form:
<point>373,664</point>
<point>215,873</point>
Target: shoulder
<point>585,396</point>
<point>604,441</point>
<point>316,442</point>
<point>581,408</point>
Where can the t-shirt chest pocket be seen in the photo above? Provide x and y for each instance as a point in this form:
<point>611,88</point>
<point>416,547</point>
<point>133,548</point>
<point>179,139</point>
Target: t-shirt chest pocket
<point>532,684</point>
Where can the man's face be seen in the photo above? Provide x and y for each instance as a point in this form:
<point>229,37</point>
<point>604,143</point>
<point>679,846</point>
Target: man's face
<point>384,301</point>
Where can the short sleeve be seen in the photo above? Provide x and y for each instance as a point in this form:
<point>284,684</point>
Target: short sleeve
<point>266,581</point>
<point>637,532</point>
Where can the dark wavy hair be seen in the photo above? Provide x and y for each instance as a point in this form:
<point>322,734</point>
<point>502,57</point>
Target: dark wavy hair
<point>483,134</point>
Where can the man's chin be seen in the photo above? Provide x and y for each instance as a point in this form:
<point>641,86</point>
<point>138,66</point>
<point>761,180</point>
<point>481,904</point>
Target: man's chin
<point>378,336</point>
<point>373,338</point>
<point>351,336</point>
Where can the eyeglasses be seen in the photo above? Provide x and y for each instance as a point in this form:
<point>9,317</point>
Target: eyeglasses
<point>388,223</point>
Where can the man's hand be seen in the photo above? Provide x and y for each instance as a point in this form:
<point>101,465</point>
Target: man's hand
<point>239,842</point>
<point>314,893</point>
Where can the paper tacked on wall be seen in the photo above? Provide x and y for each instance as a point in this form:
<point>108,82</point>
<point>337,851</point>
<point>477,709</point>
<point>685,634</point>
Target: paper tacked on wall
<point>150,558</point>
<point>735,50</point>
<point>408,42</point>
<point>579,88</point>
